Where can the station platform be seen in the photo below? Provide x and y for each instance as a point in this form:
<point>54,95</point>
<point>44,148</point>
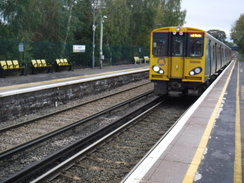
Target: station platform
<point>20,84</point>
<point>205,144</point>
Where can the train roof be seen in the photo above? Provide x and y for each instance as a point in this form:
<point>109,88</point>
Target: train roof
<point>179,29</point>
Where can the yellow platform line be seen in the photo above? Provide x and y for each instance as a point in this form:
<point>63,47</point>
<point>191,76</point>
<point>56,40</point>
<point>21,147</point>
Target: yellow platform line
<point>238,154</point>
<point>193,167</point>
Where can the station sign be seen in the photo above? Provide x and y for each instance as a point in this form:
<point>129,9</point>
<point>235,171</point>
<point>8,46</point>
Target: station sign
<point>21,47</point>
<point>79,48</point>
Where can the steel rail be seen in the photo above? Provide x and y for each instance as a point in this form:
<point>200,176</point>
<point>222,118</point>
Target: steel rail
<point>40,139</point>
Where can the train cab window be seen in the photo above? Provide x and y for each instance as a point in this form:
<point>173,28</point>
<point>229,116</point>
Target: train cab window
<point>195,45</point>
<point>177,46</point>
<point>160,44</point>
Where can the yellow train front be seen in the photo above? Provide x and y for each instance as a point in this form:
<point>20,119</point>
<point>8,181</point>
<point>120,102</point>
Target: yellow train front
<point>184,60</point>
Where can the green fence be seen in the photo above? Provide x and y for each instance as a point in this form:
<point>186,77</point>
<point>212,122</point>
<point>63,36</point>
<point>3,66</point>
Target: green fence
<point>26,51</point>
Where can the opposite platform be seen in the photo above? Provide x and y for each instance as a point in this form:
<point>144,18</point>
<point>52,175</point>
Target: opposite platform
<point>30,83</point>
<point>201,146</point>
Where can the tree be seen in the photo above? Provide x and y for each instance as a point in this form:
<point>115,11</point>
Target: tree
<point>172,14</point>
<point>129,22</point>
<point>117,25</point>
<point>237,33</point>
<point>218,34</point>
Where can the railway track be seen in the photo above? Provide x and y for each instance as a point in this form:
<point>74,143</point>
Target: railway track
<point>19,134</point>
<point>112,159</point>
<point>17,159</point>
<point>116,148</point>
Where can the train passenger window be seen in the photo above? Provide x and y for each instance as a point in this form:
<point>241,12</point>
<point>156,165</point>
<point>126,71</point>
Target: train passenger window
<point>160,44</point>
<point>195,46</point>
<point>177,46</point>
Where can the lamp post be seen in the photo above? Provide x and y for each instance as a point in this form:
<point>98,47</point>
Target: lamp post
<point>93,34</point>
<point>101,41</point>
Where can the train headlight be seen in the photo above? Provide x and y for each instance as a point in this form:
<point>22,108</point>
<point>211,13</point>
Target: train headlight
<point>161,71</point>
<point>157,69</point>
<point>195,71</point>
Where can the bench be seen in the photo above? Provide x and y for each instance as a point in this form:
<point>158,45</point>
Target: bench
<point>62,63</point>
<point>137,59</point>
<point>146,59</point>
<point>39,64</point>
<point>10,65</point>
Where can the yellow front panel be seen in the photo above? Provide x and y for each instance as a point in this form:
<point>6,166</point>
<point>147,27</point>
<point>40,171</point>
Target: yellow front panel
<point>190,64</point>
<point>177,67</point>
<point>179,60</point>
<point>163,63</point>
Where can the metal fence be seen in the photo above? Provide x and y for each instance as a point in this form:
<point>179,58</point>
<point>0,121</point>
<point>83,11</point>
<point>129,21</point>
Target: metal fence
<point>26,51</point>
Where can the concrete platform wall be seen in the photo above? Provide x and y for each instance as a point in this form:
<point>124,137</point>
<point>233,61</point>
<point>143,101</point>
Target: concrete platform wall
<point>15,106</point>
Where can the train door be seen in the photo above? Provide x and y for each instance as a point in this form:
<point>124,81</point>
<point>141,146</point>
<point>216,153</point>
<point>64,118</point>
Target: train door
<point>177,56</point>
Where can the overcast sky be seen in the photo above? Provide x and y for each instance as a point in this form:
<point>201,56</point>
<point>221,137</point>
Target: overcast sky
<point>213,14</point>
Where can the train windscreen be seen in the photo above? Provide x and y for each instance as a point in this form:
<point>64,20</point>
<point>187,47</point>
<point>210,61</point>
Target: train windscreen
<point>195,45</point>
<point>178,45</point>
<point>160,44</point>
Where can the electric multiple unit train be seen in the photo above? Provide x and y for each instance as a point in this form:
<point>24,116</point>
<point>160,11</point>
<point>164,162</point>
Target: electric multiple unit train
<point>185,60</point>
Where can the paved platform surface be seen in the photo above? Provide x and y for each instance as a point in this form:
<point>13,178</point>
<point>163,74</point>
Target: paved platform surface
<point>30,78</point>
<point>20,84</point>
<point>206,143</point>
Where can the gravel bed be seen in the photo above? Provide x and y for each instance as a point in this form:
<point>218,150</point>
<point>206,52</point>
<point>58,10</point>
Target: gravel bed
<point>114,159</point>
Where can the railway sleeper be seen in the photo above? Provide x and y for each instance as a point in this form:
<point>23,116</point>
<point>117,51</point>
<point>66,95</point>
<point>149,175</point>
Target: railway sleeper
<point>102,160</point>
<point>71,176</point>
<point>130,147</point>
<point>99,168</point>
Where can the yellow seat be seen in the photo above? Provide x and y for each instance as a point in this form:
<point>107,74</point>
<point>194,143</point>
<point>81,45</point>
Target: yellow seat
<point>62,62</point>
<point>66,62</point>
<point>146,59</point>
<point>16,64</point>
<point>137,59</point>
<point>3,65</point>
<point>39,63</point>
<point>58,62</point>
<point>10,64</point>
<point>34,63</point>
<point>44,63</point>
